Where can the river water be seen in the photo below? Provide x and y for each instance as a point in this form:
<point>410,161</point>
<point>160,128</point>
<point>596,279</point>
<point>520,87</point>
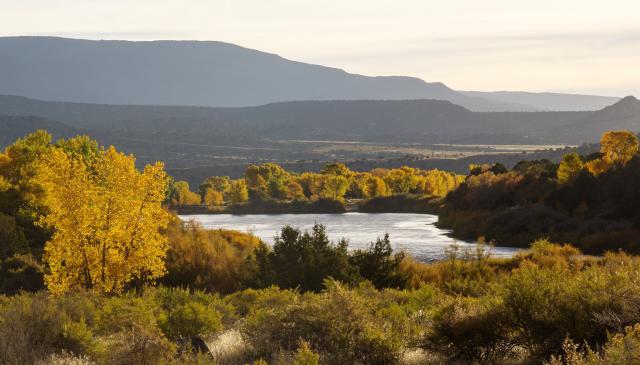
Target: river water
<point>415,234</point>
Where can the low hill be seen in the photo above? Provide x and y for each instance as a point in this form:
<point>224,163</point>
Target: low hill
<point>13,127</point>
<point>625,114</point>
<point>386,121</point>
<point>547,101</point>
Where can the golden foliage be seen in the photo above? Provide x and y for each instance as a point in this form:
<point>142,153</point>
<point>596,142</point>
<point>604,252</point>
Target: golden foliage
<point>619,146</point>
<point>181,195</point>
<point>211,260</point>
<point>239,192</point>
<point>598,166</point>
<point>569,168</point>
<point>213,198</point>
<point>107,220</point>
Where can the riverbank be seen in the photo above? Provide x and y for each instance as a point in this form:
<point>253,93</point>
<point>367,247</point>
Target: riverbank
<point>390,204</point>
<point>321,206</point>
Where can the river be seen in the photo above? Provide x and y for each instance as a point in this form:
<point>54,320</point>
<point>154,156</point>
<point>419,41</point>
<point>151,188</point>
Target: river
<point>415,234</point>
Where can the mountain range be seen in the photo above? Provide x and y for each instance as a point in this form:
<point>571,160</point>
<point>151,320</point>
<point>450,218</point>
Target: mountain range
<point>216,74</point>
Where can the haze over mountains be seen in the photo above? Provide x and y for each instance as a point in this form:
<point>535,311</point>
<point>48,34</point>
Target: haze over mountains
<point>220,74</point>
<point>421,122</point>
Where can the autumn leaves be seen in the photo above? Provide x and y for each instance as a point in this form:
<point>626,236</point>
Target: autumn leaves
<point>107,219</point>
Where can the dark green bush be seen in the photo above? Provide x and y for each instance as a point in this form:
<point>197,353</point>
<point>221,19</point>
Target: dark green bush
<point>379,265</point>
<point>303,260</point>
<point>21,273</point>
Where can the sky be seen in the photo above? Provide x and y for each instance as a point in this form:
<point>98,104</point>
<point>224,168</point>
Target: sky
<point>576,46</point>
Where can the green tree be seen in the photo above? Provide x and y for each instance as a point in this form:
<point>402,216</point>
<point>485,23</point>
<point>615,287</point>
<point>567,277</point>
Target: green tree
<point>12,238</point>
<point>379,265</point>
<point>377,187</point>
<point>20,200</point>
<point>569,168</point>
<point>337,169</point>
<point>303,260</point>
<point>334,187</point>
<point>82,146</point>
<point>221,184</point>
<point>401,181</point>
<point>267,180</point>
<point>179,194</point>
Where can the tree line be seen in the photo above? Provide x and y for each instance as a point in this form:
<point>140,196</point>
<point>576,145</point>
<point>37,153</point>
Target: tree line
<point>335,182</point>
<point>587,200</point>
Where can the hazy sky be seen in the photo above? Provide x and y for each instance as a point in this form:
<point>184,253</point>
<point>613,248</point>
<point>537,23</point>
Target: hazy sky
<point>561,45</point>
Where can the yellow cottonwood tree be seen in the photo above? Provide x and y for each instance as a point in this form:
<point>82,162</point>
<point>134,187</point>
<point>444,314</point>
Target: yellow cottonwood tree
<point>239,191</point>
<point>619,146</point>
<point>107,220</point>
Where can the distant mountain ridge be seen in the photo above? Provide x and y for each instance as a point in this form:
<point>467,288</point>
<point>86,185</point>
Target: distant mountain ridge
<point>547,101</point>
<point>625,114</point>
<point>400,121</point>
<point>200,73</point>
<point>190,73</point>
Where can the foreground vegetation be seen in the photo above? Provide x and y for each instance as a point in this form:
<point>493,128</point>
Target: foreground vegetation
<point>550,304</point>
<point>93,269</point>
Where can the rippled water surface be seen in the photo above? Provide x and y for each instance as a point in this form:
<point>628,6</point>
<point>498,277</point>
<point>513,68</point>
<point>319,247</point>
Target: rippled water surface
<point>413,233</point>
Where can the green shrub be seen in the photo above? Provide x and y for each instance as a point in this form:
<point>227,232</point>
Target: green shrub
<point>33,326</point>
<point>129,330</point>
<point>30,329</point>
<point>138,344</point>
<point>546,254</point>
<point>245,300</point>
<point>545,305</point>
<point>620,349</point>
<point>468,330</point>
<point>463,272</point>
<point>305,355</point>
<point>183,315</point>
<point>340,325</point>
<point>12,238</point>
